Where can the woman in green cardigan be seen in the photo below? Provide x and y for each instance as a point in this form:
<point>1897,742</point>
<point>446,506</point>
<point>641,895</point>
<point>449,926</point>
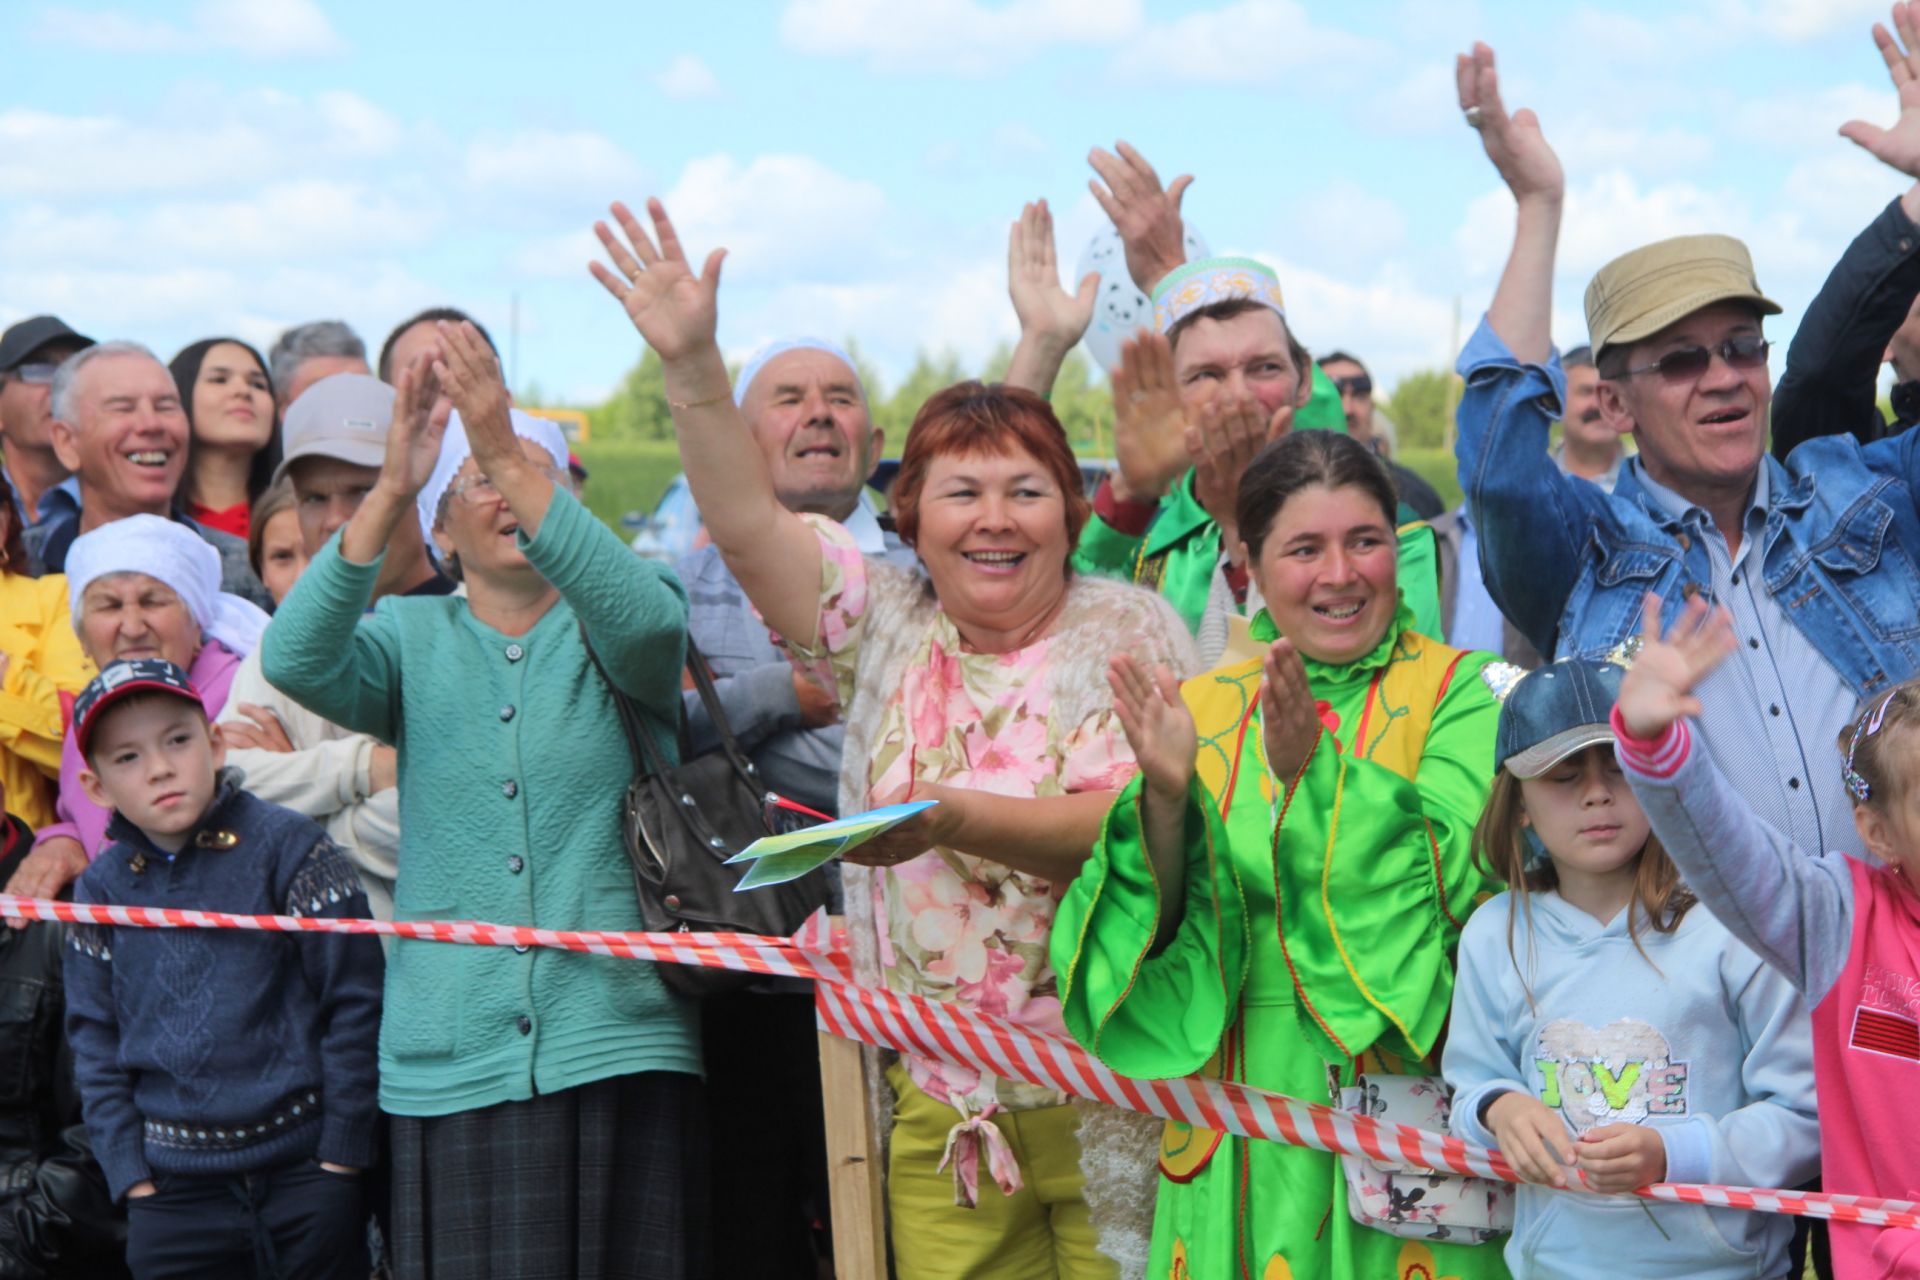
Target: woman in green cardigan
<point>545,1104</point>
<point>1276,897</point>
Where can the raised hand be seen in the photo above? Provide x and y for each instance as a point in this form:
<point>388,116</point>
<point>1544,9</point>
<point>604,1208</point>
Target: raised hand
<point>674,310</point>
<point>1044,308</point>
<point>1149,420</point>
<point>1289,722</point>
<point>470,373</point>
<point>1658,689</point>
<point>1900,145</point>
<point>420,414</point>
<point>1146,216</point>
<point>1532,1137</point>
<point>1222,443</point>
<point>1513,142</point>
<point>1158,725</point>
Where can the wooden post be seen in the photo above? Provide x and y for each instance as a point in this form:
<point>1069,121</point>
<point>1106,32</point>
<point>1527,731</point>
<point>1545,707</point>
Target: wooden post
<point>855,1177</point>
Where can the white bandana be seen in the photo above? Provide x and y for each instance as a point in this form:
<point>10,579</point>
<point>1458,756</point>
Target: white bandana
<point>455,450</point>
<point>758,361</point>
<point>175,555</point>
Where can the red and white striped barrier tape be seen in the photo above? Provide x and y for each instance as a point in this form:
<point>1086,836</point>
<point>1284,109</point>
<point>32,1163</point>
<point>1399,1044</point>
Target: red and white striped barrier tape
<point>965,1037</point>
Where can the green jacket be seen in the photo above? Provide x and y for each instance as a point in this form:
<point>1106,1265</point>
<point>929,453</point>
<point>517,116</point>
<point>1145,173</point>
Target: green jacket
<point>1180,550</point>
<point>512,765</point>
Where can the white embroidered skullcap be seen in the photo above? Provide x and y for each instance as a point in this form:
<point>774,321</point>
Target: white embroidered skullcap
<point>758,361</point>
<point>455,450</point>
<point>175,555</point>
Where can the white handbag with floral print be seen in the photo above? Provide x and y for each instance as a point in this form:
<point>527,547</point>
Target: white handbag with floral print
<point>1411,1200</point>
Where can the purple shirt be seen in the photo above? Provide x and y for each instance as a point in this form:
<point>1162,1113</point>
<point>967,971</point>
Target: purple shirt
<point>83,820</point>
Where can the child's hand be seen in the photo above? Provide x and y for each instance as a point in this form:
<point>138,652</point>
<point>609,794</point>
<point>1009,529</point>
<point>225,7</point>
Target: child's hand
<point>1658,690</point>
<point>140,1190</point>
<point>1532,1137</point>
<point>1622,1157</point>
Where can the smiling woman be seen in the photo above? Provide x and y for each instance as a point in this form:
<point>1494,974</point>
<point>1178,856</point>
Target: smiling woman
<point>978,685</point>
<point>1277,897</point>
<point>228,397</point>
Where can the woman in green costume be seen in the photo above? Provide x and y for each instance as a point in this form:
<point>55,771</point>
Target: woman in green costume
<point>1275,899</point>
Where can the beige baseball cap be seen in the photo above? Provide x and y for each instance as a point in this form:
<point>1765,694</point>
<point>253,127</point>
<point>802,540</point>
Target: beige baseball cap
<point>1640,293</point>
<point>344,416</point>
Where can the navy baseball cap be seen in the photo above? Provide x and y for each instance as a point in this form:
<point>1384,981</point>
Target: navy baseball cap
<point>21,340</point>
<point>118,682</point>
<point>1554,712</point>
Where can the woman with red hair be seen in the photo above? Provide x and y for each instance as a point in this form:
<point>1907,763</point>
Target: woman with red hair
<point>979,684</point>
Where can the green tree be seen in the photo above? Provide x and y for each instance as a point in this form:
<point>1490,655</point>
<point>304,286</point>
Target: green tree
<point>1419,407</point>
<point>637,409</point>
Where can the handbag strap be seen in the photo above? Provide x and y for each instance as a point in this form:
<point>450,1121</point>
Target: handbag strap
<point>646,756</point>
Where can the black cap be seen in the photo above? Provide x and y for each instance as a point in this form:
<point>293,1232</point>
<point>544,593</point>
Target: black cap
<point>121,680</point>
<point>28,336</point>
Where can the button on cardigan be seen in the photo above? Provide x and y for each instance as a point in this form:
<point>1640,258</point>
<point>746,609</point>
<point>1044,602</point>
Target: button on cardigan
<point>509,820</point>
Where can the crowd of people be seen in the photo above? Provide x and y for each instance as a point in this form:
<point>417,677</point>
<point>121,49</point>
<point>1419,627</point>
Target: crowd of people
<point>1256,762</point>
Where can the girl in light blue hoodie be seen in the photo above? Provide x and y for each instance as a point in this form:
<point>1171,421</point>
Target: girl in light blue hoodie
<point>1603,1033</point>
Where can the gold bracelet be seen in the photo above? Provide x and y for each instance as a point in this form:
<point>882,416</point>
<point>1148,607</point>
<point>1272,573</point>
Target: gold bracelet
<point>699,404</point>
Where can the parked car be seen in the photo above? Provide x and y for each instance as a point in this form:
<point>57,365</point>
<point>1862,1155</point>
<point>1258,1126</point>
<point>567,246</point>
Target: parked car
<point>674,528</point>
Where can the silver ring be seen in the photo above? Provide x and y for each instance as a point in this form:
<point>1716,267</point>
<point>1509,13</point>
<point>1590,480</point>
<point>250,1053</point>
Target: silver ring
<point>1137,397</point>
<point>1476,119</point>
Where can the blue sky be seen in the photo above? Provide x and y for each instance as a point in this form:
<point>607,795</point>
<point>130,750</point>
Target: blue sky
<point>174,170</point>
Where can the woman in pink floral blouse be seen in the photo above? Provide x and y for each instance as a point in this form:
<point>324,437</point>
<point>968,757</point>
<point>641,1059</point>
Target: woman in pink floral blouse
<point>981,685</point>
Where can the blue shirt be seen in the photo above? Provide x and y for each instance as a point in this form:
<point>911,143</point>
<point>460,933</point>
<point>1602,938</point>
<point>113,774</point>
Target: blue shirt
<point>1477,620</point>
<point>1772,714</point>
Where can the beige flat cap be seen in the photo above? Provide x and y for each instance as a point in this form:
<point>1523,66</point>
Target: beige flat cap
<point>1640,293</point>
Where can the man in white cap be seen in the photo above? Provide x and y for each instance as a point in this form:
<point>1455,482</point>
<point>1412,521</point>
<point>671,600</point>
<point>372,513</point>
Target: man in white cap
<point>334,437</point>
<point>808,409</point>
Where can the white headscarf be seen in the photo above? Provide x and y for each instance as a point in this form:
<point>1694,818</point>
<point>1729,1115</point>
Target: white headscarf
<point>455,450</point>
<point>758,361</point>
<point>175,555</point>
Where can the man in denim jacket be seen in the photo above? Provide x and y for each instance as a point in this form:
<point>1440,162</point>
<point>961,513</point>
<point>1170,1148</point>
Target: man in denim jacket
<point>1814,557</point>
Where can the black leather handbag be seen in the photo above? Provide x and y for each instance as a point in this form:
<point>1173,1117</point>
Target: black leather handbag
<point>681,823</point>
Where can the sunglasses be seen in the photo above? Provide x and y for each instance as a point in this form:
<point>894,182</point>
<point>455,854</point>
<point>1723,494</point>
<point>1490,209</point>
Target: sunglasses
<point>38,373</point>
<point>1359,384</point>
<point>1688,363</point>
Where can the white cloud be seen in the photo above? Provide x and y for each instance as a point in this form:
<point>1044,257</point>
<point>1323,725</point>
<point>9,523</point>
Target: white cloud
<point>534,160</point>
<point>1801,21</point>
<point>256,28</point>
<point>1250,42</point>
<point>688,77</point>
<point>44,154</point>
<point>779,216</point>
<point>964,36</point>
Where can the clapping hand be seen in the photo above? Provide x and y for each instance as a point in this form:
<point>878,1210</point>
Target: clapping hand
<point>674,310</point>
<point>1149,420</point>
<point>420,414</point>
<point>1900,145</point>
<point>1146,215</point>
<point>1047,312</point>
<point>1158,725</point>
<point>1289,722</point>
<point>470,372</point>
<point>1222,443</point>
<point>1513,142</point>
<point>1658,689</point>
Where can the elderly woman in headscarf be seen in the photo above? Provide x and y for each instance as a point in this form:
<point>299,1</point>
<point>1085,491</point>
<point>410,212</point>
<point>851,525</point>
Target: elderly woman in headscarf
<point>547,1106</point>
<point>142,587</point>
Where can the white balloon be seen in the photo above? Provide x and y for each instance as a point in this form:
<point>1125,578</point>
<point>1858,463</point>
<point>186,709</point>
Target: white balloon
<point>1119,308</point>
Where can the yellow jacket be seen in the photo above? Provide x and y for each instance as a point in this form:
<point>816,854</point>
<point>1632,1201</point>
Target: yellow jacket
<point>43,660</point>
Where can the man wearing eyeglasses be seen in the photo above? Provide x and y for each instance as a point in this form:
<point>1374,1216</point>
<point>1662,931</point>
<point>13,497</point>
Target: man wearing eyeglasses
<point>43,488</point>
<point>1815,558</point>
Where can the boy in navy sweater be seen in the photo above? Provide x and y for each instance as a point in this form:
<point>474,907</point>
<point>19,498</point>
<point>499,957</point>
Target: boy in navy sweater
<point>228,1078</point>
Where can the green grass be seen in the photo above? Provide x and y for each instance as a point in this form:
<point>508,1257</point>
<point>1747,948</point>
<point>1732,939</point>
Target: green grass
<point>627,475</point>
<point>630,475</point>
